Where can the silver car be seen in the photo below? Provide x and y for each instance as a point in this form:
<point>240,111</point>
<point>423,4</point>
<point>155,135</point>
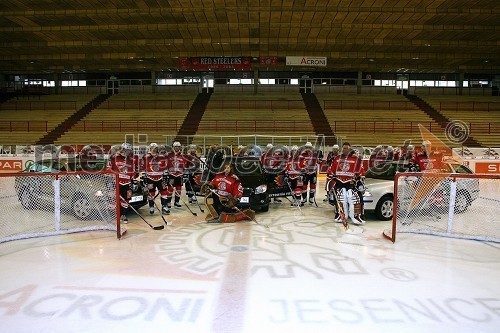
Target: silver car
<point>379,196</point>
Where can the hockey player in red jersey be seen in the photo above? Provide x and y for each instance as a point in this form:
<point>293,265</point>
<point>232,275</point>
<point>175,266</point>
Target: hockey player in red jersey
<point>125,163</point>
<point>273,163</point>
<point>309,163</point>
<point>224,193</point>
<point>154,166</point>
<point>191,170</point>
<point>345,170</point>
<point>176,163</point>
<point>293,172</point>
<point>428,159</point>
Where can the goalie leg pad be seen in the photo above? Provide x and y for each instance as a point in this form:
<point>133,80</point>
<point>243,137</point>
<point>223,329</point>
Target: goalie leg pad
<point>227,217</point>
<point>209,202</point>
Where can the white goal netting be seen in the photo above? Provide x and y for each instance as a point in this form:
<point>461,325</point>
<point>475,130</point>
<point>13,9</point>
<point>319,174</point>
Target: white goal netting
<point>457,205</point>
<point>36,204</point>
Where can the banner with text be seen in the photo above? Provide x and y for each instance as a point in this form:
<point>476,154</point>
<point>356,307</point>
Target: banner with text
<point>306,61</point>
<point>215,63</point>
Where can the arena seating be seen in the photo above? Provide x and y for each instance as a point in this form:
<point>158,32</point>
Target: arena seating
<point>31,118</point>
<point>480,113</point>
<point>152,114</point>
<point>368,120</point>
<point>376,119</point>
<point>272,114</point>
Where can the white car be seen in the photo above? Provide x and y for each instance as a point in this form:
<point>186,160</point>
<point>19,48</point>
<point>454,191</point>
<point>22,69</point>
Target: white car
<point>379,196</point>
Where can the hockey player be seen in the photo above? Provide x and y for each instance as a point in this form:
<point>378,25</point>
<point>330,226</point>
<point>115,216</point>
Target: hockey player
<point>309,163</point>
<point>191,170</point>
<point>224,193</point>
<point>331,155</point>
<point>241,151</point>
<point>213,161</point>
<point>176,163</point>
<point>346,169</point>
<point>406,154</point>
<point>273,163</point>
<point>428,159</point>
<point>126,164</point>
<point>329,159</point>
<point>154,167</point>
<point>293,172</point>
<point>378,157</point>
<point>267,155</point>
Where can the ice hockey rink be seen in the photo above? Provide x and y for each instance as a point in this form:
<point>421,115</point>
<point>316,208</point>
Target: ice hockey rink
<point>302,274</point>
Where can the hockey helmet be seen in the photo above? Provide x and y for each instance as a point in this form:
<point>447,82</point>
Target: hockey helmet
<point>153,148</point>
<point>390,148</point>
<point>162,149</point>
<point>269,146</point>
<point>410,147</point>
<point>177,146</point>
<point>336,147</point>
<point>126,148</point>
<point>308,145</point>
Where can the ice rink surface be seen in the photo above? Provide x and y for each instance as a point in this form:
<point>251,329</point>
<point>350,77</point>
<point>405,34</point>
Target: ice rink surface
<point>302,274</point>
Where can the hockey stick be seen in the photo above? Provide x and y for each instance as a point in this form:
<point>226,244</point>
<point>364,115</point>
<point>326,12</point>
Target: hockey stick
<point>184,202</point>
<point>340,210</point>
<point>194,196</point>
<point>160,227</point>
<point>161,214</point>
<point>296,204</point>
<point>251,218</point>
<point>240,211</point>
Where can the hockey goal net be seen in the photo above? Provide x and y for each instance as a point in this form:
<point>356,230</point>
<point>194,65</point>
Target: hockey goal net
<point>452,205</point>
<point>44,204</point>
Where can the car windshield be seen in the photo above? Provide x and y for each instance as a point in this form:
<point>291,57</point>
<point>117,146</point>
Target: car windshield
<point>247,167</point>
<point>386,171</point>
<point>45,166</point>
<point>460,168</point>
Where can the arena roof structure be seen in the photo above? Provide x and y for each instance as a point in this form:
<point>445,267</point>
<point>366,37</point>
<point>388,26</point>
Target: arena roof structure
<point>412,36</point>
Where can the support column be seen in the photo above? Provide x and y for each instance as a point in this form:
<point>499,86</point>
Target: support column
<point>461,77</point>
<point>359,82</point>
<point>256,82</point>
<point>57,83</point>
<point>153,82</point>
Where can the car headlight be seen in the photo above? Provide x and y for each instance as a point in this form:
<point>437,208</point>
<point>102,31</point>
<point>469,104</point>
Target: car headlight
<point>260,189</point>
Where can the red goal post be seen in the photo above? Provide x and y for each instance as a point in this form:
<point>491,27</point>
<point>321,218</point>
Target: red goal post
<point>45,204</point>
<point>450,205</point>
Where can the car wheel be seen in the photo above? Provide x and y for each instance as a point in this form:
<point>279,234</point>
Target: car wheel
<point>462,202</point>
<point>385,208</point>
<point>265,208</point>
<point>26,198</point>
<point>80,206</point>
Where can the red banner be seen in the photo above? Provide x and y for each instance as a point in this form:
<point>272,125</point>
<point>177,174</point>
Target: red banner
<point>487,167</point>
<point>268,61</point>
<point>183,63</point>
<point>215,63</point>
<point>9,165</point>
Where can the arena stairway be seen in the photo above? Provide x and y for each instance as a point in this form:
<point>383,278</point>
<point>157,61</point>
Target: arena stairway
<point>439,118</point>
<point>318,119</point>
<point>191,123</point>
<point>65,126</point>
